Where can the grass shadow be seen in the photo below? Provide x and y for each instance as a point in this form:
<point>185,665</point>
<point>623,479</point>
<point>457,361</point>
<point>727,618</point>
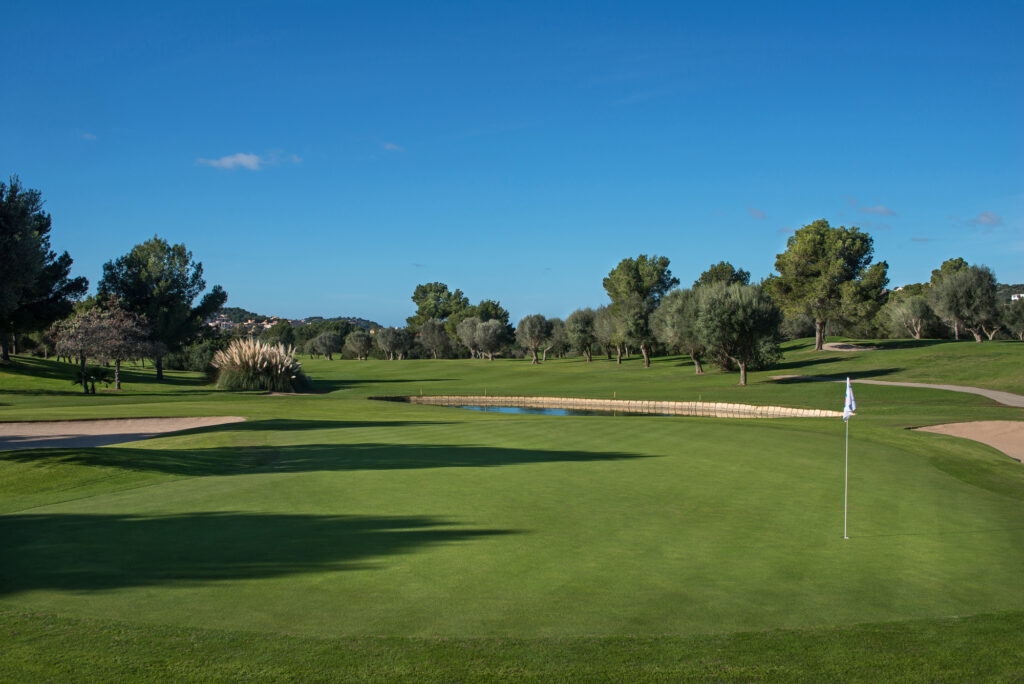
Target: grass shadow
<point>302,458</point>
<point>99,552</point>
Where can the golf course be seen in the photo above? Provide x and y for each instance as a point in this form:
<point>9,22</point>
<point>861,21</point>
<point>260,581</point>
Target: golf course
<point>332,536</point>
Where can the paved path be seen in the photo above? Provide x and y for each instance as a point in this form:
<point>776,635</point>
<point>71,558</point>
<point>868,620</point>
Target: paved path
<point>1005,398</point>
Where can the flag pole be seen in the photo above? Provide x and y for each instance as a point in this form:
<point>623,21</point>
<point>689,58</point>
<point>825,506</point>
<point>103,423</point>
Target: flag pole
<point>846,478</point>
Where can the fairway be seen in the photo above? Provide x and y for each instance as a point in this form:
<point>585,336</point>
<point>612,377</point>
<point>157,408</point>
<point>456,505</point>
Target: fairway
<point>329,515</point>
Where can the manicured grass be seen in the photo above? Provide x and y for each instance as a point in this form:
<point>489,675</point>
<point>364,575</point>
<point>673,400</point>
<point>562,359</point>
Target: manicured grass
<point>494,538</point>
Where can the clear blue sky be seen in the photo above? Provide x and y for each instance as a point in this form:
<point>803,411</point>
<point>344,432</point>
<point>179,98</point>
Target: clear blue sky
<point>324,158</point>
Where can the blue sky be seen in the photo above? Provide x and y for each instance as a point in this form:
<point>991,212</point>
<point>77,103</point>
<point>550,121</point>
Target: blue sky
<point>324,158</point>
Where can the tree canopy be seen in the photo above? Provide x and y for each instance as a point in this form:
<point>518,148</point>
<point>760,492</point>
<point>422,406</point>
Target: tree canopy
<point>435,300</point>
<point>723,272</point>
<point>635,287</point>
<point>742,322</point>
<point>967,298</point>
<point>532,332</point>
<point>675,324</point>
<point>35,284</point>
<point>826,271</point>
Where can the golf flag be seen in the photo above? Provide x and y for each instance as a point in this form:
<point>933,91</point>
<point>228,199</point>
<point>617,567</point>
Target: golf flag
<point>851,404</point>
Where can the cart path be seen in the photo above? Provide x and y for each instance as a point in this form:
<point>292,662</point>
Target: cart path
<point>80,434</point>
<point>1005,398</point>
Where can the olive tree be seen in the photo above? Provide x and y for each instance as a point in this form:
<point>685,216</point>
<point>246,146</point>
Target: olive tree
<point>579,328</point>
<point>532,332</point>
<point>558,339</point>
<point>909,316</point>
<point>328,343</point>
<point>1013,318</point>
<point>466,331</point>
<point>357,343</point>
<point>742,322</point>
<point>608,332</point>
<point>967,298</point>
<point>433,336</point>
<point>675,325</point>
<point>394,342</point>
<point>489,337</point>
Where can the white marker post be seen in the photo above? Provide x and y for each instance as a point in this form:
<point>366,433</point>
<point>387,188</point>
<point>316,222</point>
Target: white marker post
<point>848,408</point>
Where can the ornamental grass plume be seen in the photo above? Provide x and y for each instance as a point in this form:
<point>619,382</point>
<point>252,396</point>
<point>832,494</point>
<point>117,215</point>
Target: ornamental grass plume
<point>253,365</point>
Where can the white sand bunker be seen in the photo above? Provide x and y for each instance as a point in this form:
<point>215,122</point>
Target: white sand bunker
<point>79,434</point>
<point>847,347</point>
<point>1005,435</point>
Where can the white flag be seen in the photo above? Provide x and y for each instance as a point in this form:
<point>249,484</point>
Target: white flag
<point>851,404</point>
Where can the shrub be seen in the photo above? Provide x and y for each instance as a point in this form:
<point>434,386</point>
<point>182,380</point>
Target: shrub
<point>253,365</point>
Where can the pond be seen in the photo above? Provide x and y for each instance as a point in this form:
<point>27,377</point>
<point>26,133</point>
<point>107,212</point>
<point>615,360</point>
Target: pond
<point>552,411</point>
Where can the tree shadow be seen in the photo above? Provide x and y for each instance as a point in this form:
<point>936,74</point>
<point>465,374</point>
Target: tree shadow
<point>323,386</point>
<point>97,552</point>
<point>833,377</point>
<point>30,366</point>
<point>303,458</point>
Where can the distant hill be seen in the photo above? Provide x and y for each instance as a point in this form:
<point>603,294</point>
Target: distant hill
<point>238,315</point>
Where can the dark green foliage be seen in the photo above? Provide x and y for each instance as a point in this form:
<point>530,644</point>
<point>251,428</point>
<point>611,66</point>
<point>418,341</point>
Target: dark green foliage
<point>948,267</point>
<point>558,340</point>
<point>910,316</point>
<point>1013,318</point>
<point>723,272</point>
<point>636,287</point>
<point>824,274</point>
<point>434,300</point>
<point>196,357</point>
<point>35,287</point>
<point>160,281</point>
<point>282,332</point>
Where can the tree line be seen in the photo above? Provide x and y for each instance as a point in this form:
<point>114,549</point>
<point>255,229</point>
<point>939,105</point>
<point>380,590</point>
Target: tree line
<point>824,283</point>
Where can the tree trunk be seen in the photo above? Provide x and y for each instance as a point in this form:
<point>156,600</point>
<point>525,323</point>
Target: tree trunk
<point>117,374</point>
<point>544,355</point>
<point>618,353</point>
<point>976,333</point>
<point>586,352</point>
<point>697,368</point>
<point>743,371</point>
<point>819,336</point>
<point>608,352</point>
<point>435,354</point>
<point>533,350</point>
<point>992,334</point>
<point>85,379</point>
<point>490,356</point>
<point>627,352</point>
<point>5,352</point>
<point>647,355</point>
<point>159,367</point>
<point>956,330</point>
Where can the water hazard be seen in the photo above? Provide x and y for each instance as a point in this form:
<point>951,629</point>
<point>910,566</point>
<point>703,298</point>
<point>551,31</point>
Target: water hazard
<point>552,411</point>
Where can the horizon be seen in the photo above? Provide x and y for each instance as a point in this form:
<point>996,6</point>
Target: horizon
<point>330,158</point>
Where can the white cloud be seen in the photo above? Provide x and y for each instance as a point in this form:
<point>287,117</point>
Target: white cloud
<point>987,218</point>
<point>879,209</point>
<point>392,147</point>
<point>757,213</point>
<point>88,136</point>
<point>253,162</point>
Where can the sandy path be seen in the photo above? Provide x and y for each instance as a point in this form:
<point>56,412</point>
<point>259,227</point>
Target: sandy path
<point>1005,398</point>
<point>92,433</point>
<point>1005,435</point>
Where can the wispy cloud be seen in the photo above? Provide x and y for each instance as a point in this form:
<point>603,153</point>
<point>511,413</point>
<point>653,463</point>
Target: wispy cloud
<point>879,210</point>
<point>851,200</point>
<point>922,239</point>
<point>757,213</point>
<point>253,162</point>
<point>785,231</point>
<point>249,161</point>
<point>987,218</point>
<point>392,147</point>
<point>88,136</point>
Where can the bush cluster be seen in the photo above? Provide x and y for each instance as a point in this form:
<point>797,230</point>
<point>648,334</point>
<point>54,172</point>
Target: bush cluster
<point>248,364</point>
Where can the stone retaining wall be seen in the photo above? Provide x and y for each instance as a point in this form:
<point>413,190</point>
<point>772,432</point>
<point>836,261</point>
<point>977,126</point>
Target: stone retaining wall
<point>674,408</point>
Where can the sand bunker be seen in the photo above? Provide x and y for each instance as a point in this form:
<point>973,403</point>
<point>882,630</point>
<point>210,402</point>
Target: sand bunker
<point>91,433</point>
<point>847,347</point>
<point>1005,435</point>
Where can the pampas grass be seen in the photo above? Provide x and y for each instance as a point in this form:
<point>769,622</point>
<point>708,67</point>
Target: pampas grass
<point>253,365</point>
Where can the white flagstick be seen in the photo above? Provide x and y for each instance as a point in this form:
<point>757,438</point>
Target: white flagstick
<point>846,477</point>
<point>849,406</point>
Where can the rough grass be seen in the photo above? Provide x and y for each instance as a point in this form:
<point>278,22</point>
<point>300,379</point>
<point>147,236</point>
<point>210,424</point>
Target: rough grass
<point>492,545</point>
